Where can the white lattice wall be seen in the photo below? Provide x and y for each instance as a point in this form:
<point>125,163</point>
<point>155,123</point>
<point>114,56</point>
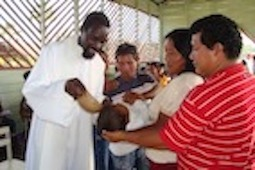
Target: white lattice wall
<point>26,25</point>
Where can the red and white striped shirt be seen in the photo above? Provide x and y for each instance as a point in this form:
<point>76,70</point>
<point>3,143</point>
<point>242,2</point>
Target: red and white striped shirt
<point>214,127</point>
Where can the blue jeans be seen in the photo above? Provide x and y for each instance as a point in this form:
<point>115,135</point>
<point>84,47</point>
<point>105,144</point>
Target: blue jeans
<point>135,160</point>
<point>101,152</point>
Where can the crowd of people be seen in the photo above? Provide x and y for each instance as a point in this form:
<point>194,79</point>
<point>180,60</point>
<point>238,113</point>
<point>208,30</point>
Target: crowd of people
<point>194,110</point>
<point>213,125</point>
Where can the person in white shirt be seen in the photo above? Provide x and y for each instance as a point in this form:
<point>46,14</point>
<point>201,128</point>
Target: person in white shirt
<point>60,136</point>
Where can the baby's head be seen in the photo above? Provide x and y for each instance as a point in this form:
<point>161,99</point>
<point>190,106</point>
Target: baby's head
<point>112,117</point>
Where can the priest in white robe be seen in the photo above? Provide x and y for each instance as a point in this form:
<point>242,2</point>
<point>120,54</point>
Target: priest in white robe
<point>61,133</point>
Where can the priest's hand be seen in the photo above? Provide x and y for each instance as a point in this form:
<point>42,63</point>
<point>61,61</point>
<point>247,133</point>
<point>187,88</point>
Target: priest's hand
<point>114,136</point>
<point>75,88</point>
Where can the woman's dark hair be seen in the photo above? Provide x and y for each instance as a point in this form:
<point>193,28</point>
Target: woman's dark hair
<point>181,39</point>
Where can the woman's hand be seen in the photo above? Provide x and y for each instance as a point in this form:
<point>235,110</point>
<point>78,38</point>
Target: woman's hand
<point>131,97</point>
<point>114,136</point>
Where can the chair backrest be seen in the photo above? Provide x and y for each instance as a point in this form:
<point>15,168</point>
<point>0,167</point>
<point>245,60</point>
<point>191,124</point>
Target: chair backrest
<point>5,140</point>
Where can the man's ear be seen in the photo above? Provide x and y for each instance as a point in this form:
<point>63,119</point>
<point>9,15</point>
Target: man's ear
<point>218,48</point>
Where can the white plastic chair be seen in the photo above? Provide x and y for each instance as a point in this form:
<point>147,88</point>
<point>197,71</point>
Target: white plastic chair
<point>5,141</point>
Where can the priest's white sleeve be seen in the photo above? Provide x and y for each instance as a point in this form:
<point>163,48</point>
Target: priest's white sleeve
<point>46,96</point>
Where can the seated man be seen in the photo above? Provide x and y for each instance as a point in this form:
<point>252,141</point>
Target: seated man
<point>5,120</point>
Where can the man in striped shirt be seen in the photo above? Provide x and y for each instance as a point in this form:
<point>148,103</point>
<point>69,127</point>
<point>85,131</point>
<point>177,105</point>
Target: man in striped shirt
<point>214,127</point>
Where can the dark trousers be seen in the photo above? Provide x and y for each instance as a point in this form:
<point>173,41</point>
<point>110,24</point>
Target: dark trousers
<point>6,121</point>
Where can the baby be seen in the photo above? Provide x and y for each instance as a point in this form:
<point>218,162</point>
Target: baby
<point>123,116</point>
<point>113,117</point>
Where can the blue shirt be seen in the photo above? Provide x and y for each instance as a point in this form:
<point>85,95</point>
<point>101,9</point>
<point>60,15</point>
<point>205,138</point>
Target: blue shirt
<point>124,85</point>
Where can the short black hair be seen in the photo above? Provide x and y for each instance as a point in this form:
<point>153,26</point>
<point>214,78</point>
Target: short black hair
<point>126,48</point>
<point>219,29</point>
<point>95,19</point>
<point>182,42</point>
